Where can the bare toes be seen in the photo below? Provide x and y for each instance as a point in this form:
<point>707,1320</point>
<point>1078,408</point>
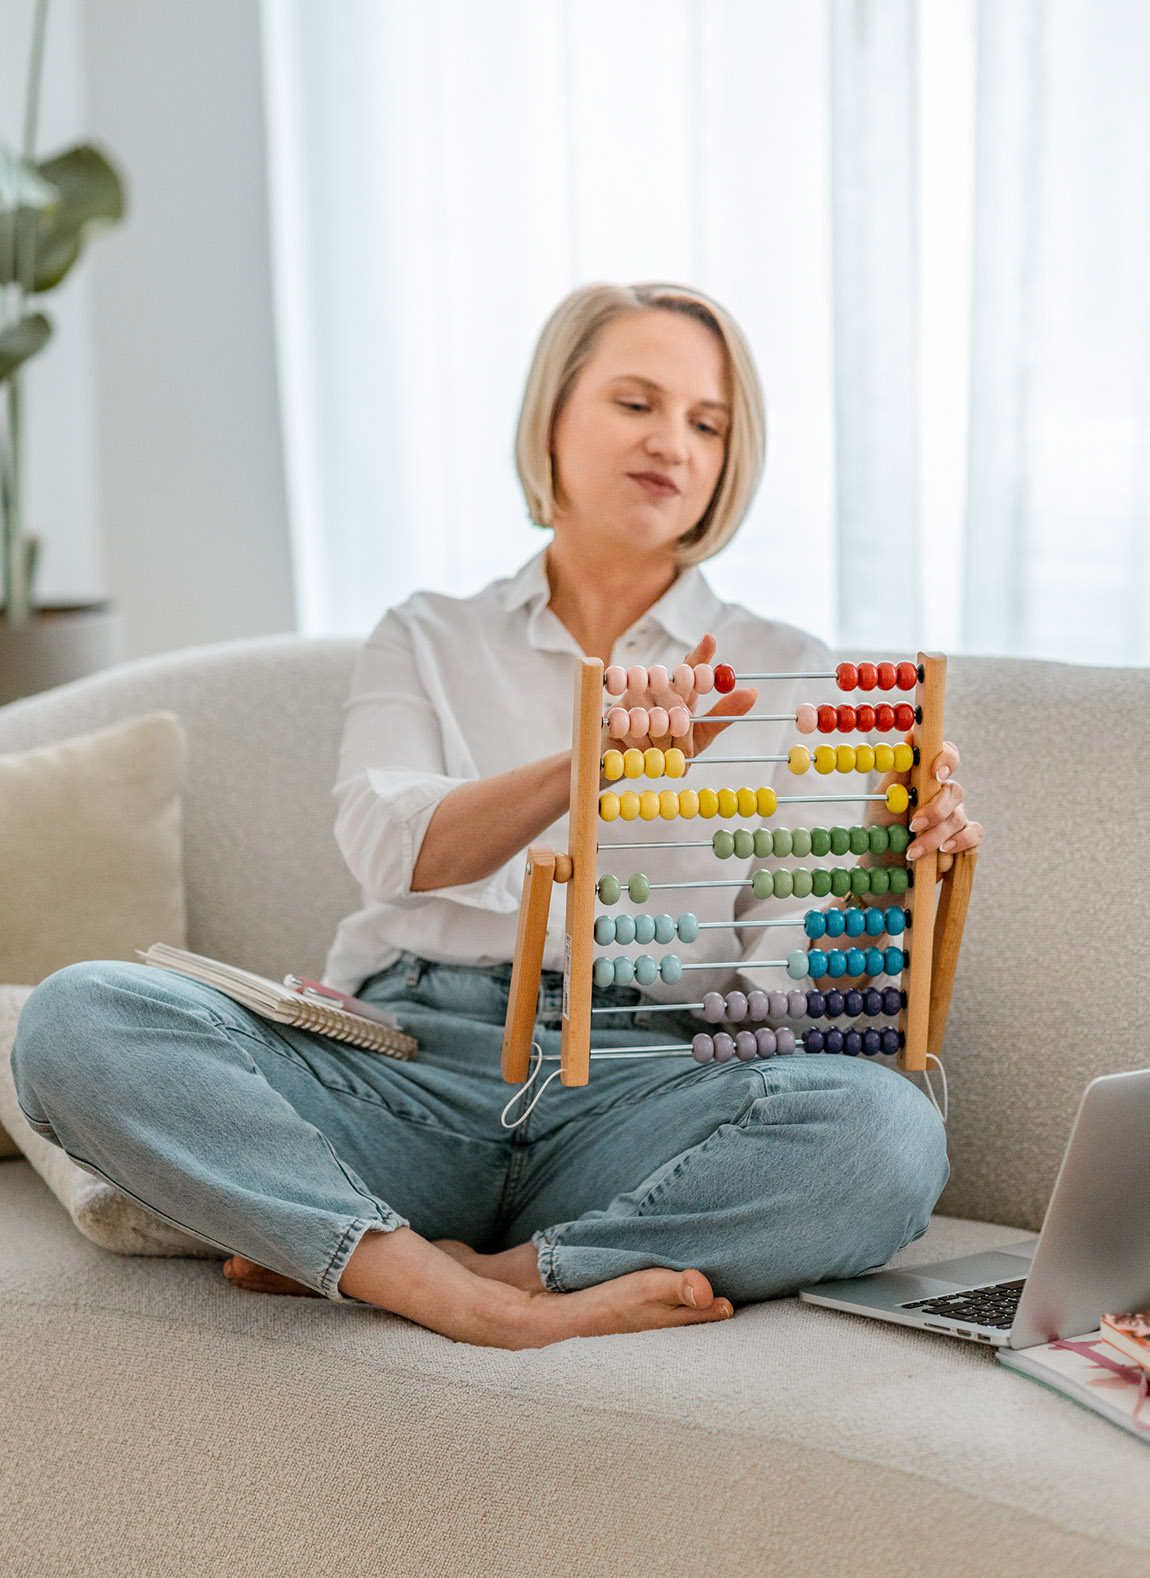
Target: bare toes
<point>258,1279</point>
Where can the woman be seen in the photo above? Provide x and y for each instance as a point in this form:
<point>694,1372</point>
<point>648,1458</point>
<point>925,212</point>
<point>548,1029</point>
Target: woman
<point>661,1192</point>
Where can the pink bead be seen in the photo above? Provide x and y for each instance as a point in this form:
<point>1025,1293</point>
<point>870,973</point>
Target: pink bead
<point>806,719</point>
<point>683,679</point>
<point>618,720</point>
<point>638,721</point>
<point>658,679</point>
<point>704,678</point>
<point>679,721</point>
<point>615,680</point>
<point>659,722</point>
<point>637,678</point>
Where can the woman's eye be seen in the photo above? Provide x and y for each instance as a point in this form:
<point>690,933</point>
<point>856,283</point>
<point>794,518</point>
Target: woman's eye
<point>633,405</point>
<point>705,427</point>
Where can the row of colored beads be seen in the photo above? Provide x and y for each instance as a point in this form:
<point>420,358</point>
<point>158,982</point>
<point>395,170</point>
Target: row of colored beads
<point>687,803</point>
<point>803,841</point>
<point>835,962</point>
<point>651,763</point>
<point>870,922</point>
<point>624,972</point>
<point>737,1006</point>
<point>852,1042</point>
<point>701,679</point>
<point>824,882</point>
<point>655,721</point>
<point>851,758</point>
<point>884,676</point>
<point>748,1044</point>
<point>626,929</point>
<point>857,720</point>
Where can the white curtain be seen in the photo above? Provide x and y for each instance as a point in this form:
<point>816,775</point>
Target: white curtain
<point>444,172</point>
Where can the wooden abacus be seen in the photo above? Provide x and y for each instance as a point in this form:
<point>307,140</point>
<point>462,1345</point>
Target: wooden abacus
<point>935,918</point>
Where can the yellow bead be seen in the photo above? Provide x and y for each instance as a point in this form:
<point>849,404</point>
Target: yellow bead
<point>746,802</point>
<point>766,802</point>
<point>728,803</point>
<point>628,805</point>
<point>613,764</point>
<point>608,806</point>
<point>688,803</point>
<point>648,805</point>
<point>864,758</point>
<point>884,758</point>
<point>903,757</point>
<point>798,759</point>
<point>844,758</point>
<point>897,798</point>
<point>653,762</point>
<point>632,763</point>
<point>824,758</point>
<point>708,802</point>
<point>676,762</point>
<point>668,805</point>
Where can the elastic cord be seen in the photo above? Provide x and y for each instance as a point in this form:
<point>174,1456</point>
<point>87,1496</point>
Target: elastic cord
<point>942,1111</point>
<point>537,1062</point>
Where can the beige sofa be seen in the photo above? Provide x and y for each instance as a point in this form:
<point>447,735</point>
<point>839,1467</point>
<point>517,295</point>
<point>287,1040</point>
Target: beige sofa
<point>156,1420</point>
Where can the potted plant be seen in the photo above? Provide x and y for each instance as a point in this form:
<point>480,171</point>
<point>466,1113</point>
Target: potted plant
<point>49,209</point>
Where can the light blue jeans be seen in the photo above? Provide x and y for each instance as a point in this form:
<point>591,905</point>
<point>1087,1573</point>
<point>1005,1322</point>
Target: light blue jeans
<point>285,1146</point>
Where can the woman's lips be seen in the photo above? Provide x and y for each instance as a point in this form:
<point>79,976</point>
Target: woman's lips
<point>654,485</point>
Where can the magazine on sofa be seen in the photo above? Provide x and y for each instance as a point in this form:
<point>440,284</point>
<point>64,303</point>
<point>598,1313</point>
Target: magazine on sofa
<point>1091,1372</point>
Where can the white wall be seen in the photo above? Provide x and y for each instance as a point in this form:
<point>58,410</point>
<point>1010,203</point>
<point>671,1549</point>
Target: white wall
<point>155,455</point>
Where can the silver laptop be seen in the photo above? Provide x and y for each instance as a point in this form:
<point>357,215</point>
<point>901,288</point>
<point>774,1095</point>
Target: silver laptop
<point>1091,1258</point>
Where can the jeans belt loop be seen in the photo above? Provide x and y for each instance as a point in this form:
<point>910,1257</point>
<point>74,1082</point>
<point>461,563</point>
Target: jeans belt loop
<point>414,974</point>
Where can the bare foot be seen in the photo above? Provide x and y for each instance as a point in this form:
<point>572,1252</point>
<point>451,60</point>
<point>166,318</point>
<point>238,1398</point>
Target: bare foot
<point>258,1279</point>
<point>518,1267</point>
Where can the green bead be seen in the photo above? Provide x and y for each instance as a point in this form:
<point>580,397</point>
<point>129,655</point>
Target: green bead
<point>880,880</point>
<point>744,843</point>
<point>840,882</point>
<point>820,882</point>
<point>820,841</point>
<point>638,889</point>
<point>762,884</point>
<point>723,844</point>
<point>899,838</point>
<point>784,884</point>
<point>801,878</point>
<point>764,843</point>
<point>783,841</point>
<point>860,879</point>
<point>609,890</point>
<point>899,881</point>
<point>879,840</point>
<point>800,842</point>
<point>840,841</point>
<point>860,840</point>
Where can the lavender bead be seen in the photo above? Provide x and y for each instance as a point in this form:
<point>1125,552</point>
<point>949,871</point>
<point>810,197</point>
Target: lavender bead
<point>724,1047</point>
<point>766,1042</point>
<point>757,1007</point>
<point>702,1049</point>
<point>796,1005</point>
<point>714,1007</point>
<point>746,1047</point>
<point>784,1042</point>
<point>777,1003</point>
<point>736,1007</point>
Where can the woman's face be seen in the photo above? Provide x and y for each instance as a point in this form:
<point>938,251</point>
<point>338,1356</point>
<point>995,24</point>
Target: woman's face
<point>639,445</point>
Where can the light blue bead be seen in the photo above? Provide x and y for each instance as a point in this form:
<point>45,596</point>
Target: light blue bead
<point>624,971</point>
<point>687,927</point>
<point>874,961</point>
<point>797,965</point>
<point>604,930</point>
<point>671,968</point>
<point>856,960</point>
<point>856,923</point>
<point>646,970</point>
<point>815,924</point>
<point>664,929</point>
<point>895,921</point>
<point>625,929</point>
<point>603,971</point>
<point>876,920</point>
<point>644,929</point>
<point>817,962</point>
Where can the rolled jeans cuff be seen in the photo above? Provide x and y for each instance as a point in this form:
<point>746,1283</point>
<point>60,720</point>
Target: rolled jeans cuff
<point>387,1222</point>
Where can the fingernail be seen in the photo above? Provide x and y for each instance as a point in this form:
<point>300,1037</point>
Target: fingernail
<point>942,774</point>
<point>946,847</point>
<point>690,1296</point>
<point>918,824</point>
<point>726,1308</point>
<point>913,852</point>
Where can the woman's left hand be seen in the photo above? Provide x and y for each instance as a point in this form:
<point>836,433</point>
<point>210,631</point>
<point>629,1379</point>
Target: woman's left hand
<point>942,824</point>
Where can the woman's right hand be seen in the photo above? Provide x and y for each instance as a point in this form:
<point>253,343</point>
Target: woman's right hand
<point>677,690</point>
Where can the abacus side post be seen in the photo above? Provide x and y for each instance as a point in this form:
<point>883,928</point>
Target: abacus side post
<point>953,900</point>
<point>928,738</point>
<point>586,747</point>
<point>523,998</point>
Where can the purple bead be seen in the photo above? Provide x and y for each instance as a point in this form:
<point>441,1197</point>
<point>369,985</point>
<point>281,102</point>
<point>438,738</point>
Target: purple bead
<point>714,1007</point>
<point>702,1049</point>
<point>746,1047</point>
<point>796,1005</point>
<point>816,1005</point>
<point>766,1042</point>
<point>834,1040</point>
<point>784,1042</point>
<point>757,1005</point>
<point>872,1042</point>
<point>872,1001</point>
<point>891,1000</point>
<point>853,1043</point>
<point>777,1002</point>
<point>890,1041</point>
<point>724,1047</point>
<point>813,1041</point>
<point>834,1004</point>
<point>853,1002</point>
<point>736,1007</point>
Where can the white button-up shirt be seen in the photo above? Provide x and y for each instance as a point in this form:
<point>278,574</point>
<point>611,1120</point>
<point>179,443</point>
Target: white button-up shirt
<point>447,690</point>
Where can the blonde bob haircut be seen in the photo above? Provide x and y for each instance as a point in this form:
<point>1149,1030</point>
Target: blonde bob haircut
<point>566,344</point>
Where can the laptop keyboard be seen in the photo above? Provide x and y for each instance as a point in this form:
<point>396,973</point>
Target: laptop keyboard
<point>992,1306</point>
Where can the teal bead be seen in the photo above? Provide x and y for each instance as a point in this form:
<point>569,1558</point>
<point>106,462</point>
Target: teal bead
<point>784,884</point>
<point>646,970</point>
<point>801,842</point>
<point>860,840</point>
<point>784,843</point>
<point>664,929</point>
<point>880,880</point>
<point>671,968</point>
<point>764,843</point>
<point>644,929</point>
<point>856,961</point>
<point>744,844</point>
<point>860,880</point>
<point>638,889</point>
<point>624,971</point>
<point>874,961</point>
<point>604,930</point>
<point>762,884</point>
<point>625,930</point>
<point>609,890</point>
<point>899,880</point>
<point>840,841</point>
<point>898,838</point>
<point>840,881</point>
<point>820,882</point>
<point>688,927</point>
<point>603,972</point>
<point>820,841</point>
<point>879,840</point>
<point>723,844</point>
<point>801,882</point>
<point>797,964</point>
<point>894,959</point>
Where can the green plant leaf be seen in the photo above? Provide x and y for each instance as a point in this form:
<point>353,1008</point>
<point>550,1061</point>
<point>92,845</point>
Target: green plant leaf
<point>20,341</point>
<point>21,185</point>
<point>89,198</point>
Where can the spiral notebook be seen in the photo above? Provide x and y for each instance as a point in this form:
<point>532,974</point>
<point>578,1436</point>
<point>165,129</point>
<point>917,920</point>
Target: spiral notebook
<point>286,1006</point>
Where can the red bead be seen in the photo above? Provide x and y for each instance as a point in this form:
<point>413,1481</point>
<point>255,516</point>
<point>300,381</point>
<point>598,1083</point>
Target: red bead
<point>904,716</point>
<point>864,717</point>
<point>884,718</point>
<point>887,676</point>
<point>847,720</point>
<point>724,678</point>
<point>868,676</point>
<point>907,675</point>
<point>828,718</point>
<point>847,676</point>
